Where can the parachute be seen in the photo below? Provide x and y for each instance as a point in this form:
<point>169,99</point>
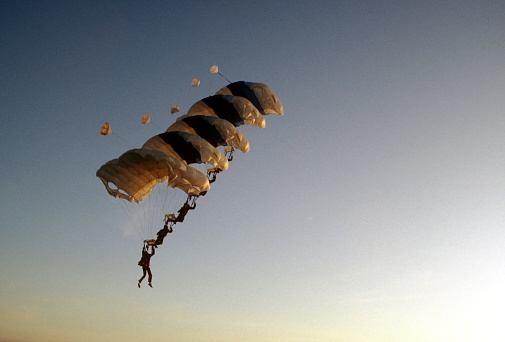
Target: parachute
<point>236,109</point>
<point>174,109</point>
<point>145,119</point>
<point>195,82</point>
<point>105,129</point>
<point>136,172</point>
<point>258,94</point>
<point>188,148</point>
<point>153,181</point>
<point>218,132</point>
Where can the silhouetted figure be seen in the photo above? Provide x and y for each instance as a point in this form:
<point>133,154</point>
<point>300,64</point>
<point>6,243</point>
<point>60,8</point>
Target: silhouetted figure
<point>145,263</point>
<point>184,210</point>
<point>212,174</point>
<point>162,233</point>
<point>181,213</point>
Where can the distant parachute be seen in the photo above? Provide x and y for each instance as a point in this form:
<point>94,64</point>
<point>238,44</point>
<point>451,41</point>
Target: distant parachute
<point>105,129</point>
<point>145,119</point>
<point>153,181</point>
<point>174,109</point>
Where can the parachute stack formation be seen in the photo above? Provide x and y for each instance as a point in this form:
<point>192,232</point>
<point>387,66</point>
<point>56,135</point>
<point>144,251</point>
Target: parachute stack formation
<point>192,138</point>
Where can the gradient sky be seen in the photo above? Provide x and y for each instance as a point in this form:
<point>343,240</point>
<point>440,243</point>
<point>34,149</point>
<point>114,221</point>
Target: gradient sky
<point>373,210</point>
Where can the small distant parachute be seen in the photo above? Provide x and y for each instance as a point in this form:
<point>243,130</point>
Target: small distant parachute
<point>174,109</point>
<point>195,82</point>
<point>145,119</point>
<point>215,70</point>
<point>105,129</point>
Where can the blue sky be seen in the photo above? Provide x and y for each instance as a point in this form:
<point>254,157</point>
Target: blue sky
<point>371,211</point>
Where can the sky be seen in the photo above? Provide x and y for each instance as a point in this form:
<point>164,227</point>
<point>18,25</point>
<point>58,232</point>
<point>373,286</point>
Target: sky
<point>372,211</point>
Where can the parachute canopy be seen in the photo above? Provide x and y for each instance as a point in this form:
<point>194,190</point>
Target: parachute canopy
<point>218,132</point>
<point>145,119</point>
<point>259,94</point>
<point>195,82</point>
<point>105,129</point>
<point>187,147</point>
<point>135,173</point>
<point>174,109</point>
<point>236,109</point>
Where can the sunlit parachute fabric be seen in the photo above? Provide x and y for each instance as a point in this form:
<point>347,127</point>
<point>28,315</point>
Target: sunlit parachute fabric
<point>187,147</point>
<point>105,129</point>
<point>135,173</point>
<point>259,94</point>
<point>166,162</point>
<point>218,132</point>
<point>236,109</point>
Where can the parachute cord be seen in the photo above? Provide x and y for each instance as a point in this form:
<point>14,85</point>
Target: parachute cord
<point>131,219</point>
<point>223,77</point>
<point>129,143</point>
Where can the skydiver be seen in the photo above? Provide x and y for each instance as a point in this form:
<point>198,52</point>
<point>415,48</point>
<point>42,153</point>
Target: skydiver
<point>162,233</point>
<point>212,174</point>
<point>145,263</point>
<point>181,212</point>
<point>184,210</point>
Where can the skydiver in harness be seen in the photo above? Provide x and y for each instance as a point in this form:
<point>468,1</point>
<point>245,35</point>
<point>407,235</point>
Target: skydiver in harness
<point>181,212</point>
<point>163,232</point>
<point>212,174</point>
<point>145,263</point>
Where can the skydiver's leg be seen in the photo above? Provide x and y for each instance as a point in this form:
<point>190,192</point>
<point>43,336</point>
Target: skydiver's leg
<point>150,278</point>
<point>144,273</point>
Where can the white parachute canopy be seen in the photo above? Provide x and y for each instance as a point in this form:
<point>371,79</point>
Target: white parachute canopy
<point>195,82</point>
<point>145,119</point>
<point>174,109</point>
<point>105,129</point>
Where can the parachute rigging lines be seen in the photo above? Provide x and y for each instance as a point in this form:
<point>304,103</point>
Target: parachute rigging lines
<point>162,171</point>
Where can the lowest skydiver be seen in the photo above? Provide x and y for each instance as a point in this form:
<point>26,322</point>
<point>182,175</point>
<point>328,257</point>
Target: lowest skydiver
<point>145,263</point>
